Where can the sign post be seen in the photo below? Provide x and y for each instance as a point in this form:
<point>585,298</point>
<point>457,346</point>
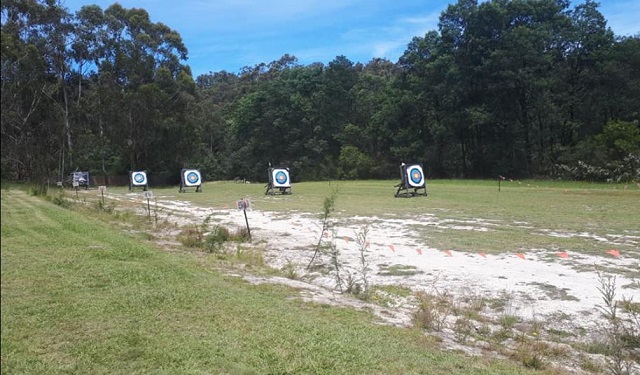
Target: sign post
<point>102,189</point>
<point>500,178</point>
<point>243,204</point>
<point>148,194</point>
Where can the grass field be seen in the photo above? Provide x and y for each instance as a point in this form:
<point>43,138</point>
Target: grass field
<point>79,297</point>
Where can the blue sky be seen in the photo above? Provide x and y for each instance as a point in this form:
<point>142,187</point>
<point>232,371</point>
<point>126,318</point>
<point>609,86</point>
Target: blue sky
<point>230,34</point>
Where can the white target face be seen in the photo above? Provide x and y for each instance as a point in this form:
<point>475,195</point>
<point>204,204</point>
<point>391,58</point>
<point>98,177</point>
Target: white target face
<point>191,177</point>
<point>415,176</point>
<point>280,177</point>
<point>138,178</point>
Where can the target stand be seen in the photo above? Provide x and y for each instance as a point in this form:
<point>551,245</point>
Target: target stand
<point>413,181</point>
<point>190,178</point>
<point>279,181</point>
<point>80,179</point>
<point>138,179</point>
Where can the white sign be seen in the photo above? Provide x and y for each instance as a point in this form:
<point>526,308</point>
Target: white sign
<point>148,194</point>
<point>243,204</point>
<point>102,188</point>
<point>75,184</point>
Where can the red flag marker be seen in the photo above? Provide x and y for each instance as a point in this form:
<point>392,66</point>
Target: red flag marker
<point>326,234</point>
<point>448,253</point>
<point>484,255</point>
<point>392,248</point>
<point>613,252</point>
<point>366,246</point>
<point>520,255</point>
<point>419,251</point>
<point>346,239</point>
<point>563,255</point>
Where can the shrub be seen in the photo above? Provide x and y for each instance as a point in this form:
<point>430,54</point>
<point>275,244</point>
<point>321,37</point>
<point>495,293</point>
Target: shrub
<point>191,236</point>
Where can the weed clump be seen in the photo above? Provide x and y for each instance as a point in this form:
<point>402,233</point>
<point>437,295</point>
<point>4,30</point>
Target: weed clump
<point>198,236</point>
<point>432,311</point>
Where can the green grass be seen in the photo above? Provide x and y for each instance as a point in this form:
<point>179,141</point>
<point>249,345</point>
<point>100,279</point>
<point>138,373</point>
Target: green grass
<point>79,297</point>
<point>520,216</point>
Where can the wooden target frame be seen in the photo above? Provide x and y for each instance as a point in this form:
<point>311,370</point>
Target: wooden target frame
<point>413,181</point>
<point>279,181</point>
<point>138,179</point>
<point>190,178</point>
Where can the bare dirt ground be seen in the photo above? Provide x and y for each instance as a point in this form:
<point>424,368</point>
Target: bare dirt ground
<point>550,296</point>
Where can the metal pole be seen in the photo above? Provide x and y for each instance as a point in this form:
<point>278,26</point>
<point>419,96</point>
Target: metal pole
<point>247,221</point>
<point>149,208</point>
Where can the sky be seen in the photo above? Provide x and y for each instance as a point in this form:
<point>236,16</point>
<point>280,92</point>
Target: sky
<point>231,34</point>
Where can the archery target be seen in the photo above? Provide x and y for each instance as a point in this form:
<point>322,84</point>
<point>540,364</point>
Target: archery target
<point>191,177</point>
<point>139,178</point>
<point>280,177</point>
<point>416,176</point>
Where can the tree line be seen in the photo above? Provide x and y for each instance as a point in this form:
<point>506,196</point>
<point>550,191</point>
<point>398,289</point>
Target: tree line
<point>518,88</point>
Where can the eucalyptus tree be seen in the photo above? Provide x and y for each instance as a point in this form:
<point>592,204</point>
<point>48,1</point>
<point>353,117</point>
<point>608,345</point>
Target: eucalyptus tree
<point>140,77</point>
<point>278,122</point>
<point>32,39</point>
<point>366,139</point>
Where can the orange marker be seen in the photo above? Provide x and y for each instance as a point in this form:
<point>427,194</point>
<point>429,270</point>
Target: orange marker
<point>563,255</point>
<point>520,255</point>
<point>613,252</point>
<point>448,253</point>
<point>346,239</point>
<point>484,255</point>
<point>392,248</point>
<point>419,251</point>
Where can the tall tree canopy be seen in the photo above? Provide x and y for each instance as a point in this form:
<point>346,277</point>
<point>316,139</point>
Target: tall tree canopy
<point>524,88</point>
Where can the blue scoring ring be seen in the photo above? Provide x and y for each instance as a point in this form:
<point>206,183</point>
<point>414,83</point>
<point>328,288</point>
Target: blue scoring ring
<point>281,177</point>
<point>138,177</point>
<point>193,177</point>
<point>415,175</point>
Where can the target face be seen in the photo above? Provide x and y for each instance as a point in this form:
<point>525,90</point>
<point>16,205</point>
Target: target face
<point>416,176</point>
<point>192,177</point>
<point>138,178</point>
<point>280,178</point>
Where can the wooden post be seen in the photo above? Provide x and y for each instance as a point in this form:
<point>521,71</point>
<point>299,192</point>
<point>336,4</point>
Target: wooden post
<point>247,221</point>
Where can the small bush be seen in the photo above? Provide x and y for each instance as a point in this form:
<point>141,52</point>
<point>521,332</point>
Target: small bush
<point>191,236</point>
<point>432,311</point>
<point>507,320</point>
<point>38,190</point>
<point>59,200</point>
<point>214,240</point>
<point>289,270</point>
<point>242,235</point>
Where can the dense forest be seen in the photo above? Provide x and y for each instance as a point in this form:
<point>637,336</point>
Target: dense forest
<point>521,88</point>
